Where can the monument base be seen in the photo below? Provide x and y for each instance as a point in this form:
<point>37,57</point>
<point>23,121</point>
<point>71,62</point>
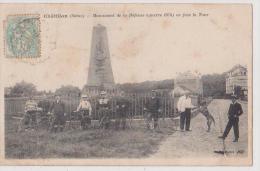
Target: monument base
<point>93,91</point>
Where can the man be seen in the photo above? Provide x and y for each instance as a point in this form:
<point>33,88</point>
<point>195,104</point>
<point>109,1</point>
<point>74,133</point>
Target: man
<point>30,113</point>
<point>153,108</point>
<point>103,107</point>
<point>58,109</point>
<point>234,111</point>
<point>85,110</point>
<point>181,110</point>
<point>122,107</point>
<point>44,104</point>
<point>184,106</point>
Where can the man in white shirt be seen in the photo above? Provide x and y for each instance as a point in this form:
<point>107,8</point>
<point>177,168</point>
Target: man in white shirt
<point>181,110</point>
<point>30,113</point>
<point>85,110</point>
<point>184,106</point>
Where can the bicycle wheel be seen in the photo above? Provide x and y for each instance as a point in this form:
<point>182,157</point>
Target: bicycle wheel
<point>43,123</point>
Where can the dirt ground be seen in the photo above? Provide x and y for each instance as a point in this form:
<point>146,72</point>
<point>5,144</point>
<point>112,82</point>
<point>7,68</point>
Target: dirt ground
<point>199,143</point>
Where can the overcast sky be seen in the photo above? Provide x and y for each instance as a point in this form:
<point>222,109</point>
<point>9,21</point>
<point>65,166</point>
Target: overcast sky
<point>140,48</point>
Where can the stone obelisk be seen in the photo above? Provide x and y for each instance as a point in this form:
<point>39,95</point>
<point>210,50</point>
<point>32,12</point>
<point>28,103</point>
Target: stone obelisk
<point>100,72</point>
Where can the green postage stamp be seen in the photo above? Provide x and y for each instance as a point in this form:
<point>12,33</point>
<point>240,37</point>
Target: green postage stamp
<point>22,36</point>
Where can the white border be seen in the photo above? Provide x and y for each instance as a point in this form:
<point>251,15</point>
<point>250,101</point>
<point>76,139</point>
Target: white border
<point>256,93</point>
<point>129,1</point>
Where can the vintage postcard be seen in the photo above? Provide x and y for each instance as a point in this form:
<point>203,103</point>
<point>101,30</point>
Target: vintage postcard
<point>126,84</point>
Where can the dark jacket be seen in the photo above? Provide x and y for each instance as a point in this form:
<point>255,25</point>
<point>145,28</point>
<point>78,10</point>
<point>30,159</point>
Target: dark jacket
<point>58,108</point>
<point>103,103</point>
<point>153,104</point>
<point>235,110</point>
<point>122,104</point>
<point>45,105</point>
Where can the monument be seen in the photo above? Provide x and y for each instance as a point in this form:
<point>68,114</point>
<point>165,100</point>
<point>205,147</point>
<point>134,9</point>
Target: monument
<point>100,74</point>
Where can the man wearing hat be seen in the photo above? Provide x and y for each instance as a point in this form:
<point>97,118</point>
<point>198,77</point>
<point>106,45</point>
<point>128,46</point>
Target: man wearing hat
<point>234,111</point>
<point>153,108</point>
<point>103,107</point>
<point>85,110</point>
<point>58,109</point>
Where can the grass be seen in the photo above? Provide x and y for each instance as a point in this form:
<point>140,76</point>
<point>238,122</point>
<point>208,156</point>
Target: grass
<point>136,142</point>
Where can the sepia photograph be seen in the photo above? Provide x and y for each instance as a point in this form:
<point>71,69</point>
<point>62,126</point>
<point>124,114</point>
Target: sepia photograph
<point>126,84</point>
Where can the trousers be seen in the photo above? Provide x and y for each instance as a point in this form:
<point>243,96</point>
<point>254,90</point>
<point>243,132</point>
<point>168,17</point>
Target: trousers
<point>232,122</point>
<point>185,119</point>
<point>85,119</point>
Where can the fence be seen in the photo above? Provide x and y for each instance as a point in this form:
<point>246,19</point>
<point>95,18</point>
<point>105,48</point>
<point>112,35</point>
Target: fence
<point>15,106</point>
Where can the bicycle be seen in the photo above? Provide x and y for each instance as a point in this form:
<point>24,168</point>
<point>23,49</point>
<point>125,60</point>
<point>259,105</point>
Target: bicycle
<point>105,118</point>
<point>42,121</point>
<point>82,117</point>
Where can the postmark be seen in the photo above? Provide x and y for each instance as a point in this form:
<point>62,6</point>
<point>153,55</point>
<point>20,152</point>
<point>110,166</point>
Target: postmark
<point>22,36</point>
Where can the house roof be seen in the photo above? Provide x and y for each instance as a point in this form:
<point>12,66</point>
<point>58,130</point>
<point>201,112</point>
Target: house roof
<point>236,67</point>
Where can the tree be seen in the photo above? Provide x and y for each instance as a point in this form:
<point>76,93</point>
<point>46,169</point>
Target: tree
<point>68,90</point>
<point>23,89</point>
<point>214,85</point>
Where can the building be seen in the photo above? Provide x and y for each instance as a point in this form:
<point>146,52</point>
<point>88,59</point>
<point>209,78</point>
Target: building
<point>236,81</point>
<point>190,82</point>
<point>100,74</point>
<point>7,91</point>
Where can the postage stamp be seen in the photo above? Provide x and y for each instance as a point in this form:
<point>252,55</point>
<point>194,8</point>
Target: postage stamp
<point>22,36</point>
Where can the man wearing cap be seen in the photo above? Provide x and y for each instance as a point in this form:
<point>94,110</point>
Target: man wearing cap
<point>103,107</point>
<point>234,111</point>
<point>85,110</point>
<point>58,108</point>
<point>153,108</point>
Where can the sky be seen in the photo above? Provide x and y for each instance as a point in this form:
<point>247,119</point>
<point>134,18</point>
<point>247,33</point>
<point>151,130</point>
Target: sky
<point>141,48</point>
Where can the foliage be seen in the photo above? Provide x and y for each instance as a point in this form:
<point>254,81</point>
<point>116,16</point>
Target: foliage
<point>22,89</point>
<point>146,86</point>
<point>68,90</point>
<point>214,85</point>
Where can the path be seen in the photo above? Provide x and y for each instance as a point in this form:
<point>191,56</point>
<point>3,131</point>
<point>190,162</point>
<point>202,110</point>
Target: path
<point>198,142</point>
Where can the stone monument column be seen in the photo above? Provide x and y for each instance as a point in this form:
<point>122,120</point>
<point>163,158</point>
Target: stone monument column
<point>100,72</point>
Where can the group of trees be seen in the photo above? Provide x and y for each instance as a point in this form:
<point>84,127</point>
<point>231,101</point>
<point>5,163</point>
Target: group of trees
<point>25,89</point>
<point>146,86</point>
<point>213,85</point>
<point>21,89</point>
<point>68,90</point>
